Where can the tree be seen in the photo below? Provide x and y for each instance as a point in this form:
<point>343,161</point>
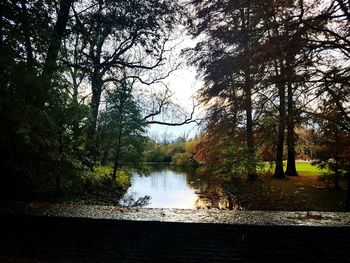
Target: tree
<point>119,35</point>
<point>55,40</point>
<point>278,79</point>
<point>187,157</point>
<point>33,98</point>
<point>228,60</point>
<point>284,45</point>
<point>332,143</point>
<point>123,127</point>
<point>330,39</point>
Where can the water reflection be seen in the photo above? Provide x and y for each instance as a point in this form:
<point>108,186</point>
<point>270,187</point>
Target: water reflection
<point>170,187</point>
<point>130,201</point>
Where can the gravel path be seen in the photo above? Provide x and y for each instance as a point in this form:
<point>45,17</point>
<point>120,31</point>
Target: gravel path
<point>180,215</point>
<point>47,232</point>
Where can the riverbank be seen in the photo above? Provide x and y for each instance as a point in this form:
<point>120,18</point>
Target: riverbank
<point>176,187</point>
<point>302,193</point>
<point>87,188</point>
<point>213,216</point>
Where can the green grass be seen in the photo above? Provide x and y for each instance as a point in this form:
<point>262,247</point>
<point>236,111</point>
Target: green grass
<point>103,170</point>
<point>300,193</point>
<point>303,168</point>
<point>123,177</point>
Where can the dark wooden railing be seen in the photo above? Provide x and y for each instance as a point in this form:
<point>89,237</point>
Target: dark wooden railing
<point>59,239</point>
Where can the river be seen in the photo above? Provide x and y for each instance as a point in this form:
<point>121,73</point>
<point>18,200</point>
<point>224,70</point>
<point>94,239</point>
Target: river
<point>172,187</point>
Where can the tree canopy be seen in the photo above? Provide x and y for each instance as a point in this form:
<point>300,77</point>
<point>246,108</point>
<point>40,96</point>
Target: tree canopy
<point>77,77</point>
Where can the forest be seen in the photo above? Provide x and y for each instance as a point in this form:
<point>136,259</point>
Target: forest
<point>82,81</point>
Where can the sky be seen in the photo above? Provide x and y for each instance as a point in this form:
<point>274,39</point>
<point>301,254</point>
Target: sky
<point>184,84</point>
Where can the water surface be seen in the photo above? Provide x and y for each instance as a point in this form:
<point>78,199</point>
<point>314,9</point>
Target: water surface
<point>168,187</point>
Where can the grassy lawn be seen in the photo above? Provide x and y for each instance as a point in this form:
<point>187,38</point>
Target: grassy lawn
<point>99,188</point>
<point>303,168</point>
<point>123,178</point>
<point>301,193</point>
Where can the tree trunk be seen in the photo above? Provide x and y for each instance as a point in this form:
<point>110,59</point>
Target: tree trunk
<point>2,52</point>
<point>58,190</point>
<point>96,87</point>
<point>117,156</point>
<point>279,172</point>
<point>116,166</point>
<point>119,141</point>
<point>55,44</point>
<point>249,129</point>
<point>291,167</point>
<point>336,180</point>
<point>248,86</point>
<point>52,53</point>
<point>26,33</point>
<point>105,156</point>
<point>347,202</point>
<point>53,49</point>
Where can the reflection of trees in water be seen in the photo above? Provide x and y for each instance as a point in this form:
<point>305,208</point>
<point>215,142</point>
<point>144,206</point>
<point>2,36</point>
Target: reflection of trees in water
<point>183,169</point>
<point>212,195</point>
<point>157,167</point>
<point>196,181</point>
<point>131,201</point>
<point>208,187</point>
